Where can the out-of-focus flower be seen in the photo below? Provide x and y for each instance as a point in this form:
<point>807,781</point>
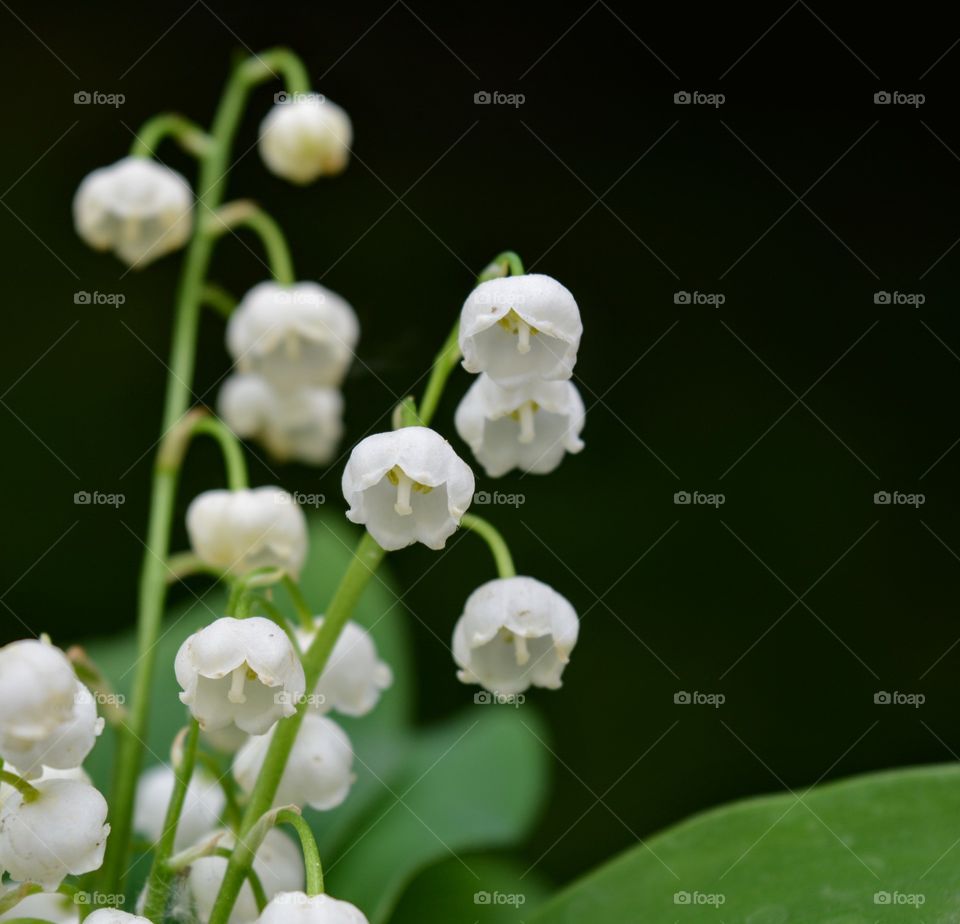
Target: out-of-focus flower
<point>136,207</point>
<point>305,138</point>
<point>202,807</point>
<point>407,486</point>
<point>300,908</point>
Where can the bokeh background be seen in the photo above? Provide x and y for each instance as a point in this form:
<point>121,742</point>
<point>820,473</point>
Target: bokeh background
<point>797,199</point>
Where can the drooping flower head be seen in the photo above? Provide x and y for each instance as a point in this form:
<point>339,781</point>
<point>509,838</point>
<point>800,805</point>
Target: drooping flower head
<point>203,805</point>
<point>520,328</point>
<point>60,832</point>
<point>514,632</point>
<point>277,863</point>
<point>294,336</point>
<point>319,771</point>
<point>240,531</point>
<point>244,672</point>
<point>407,486</point>
<point>304,138</point>
<point>136,207</point>
<point>54,907</point>
<point>354,677</point>
<point>304,425</point>
<point>528,427</point>
<point>300,908</point>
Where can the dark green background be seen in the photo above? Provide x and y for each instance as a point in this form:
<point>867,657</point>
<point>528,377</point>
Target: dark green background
<point>676,394</point>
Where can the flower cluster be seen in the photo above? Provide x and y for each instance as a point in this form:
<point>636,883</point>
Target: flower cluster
<point>292,346</point>
<point>48,725</point>
<point>521,333</point>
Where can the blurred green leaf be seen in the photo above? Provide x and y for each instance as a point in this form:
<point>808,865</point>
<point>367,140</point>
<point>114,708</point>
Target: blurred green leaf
<point>873,848</point>
<point>476,783</point>
<point>484,889</point>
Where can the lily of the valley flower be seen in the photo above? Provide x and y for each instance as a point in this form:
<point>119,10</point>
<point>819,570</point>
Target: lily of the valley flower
<point>203,805</point>
<point>53,907</point>
<point>37,695</point>
<point>294,336</point>
<point>528,427</point>
<point>240,531</point>
<point>300,908</point>
<point>61,831</point>
<point>306,138</point>
<point>67,745</point>
<point>319,771</point>
<point>514,632</point>
<point>354,677</point>
<point>407,486</point>
<point>239,671</point>
<point>304,425</point>
<point>115,916</point>
<point>277,863</point>
<point>520,328</point>
<point>136,207</point>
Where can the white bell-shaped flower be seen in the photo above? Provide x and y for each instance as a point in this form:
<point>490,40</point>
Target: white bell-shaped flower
<point>407,486</point>
<point>278,864</point>
<point>514,632</point>
<point>115,916</point>
<point>202,807</point>
<point>37,694</point>
<point>225,740</point>
<point>60,832</point>
<point>528,427</point>
<point>306,138</point>
<point>295,336</point>
<point>518,328</point>
<point>240,671</point>
<point>240,531</point>
<point>319,771</point>
<point>67,745</point>
<point>303,425</point>
<point>354,677</point>
<point>53,907</point>
<point>136,207</point>
<point>300,908</point>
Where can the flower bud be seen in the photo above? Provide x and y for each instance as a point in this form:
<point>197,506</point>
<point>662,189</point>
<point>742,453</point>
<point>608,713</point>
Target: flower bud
<point>202,807</point>
<point>115,916</point>
<point>300,908</point>
<point>305,138</point>
<point>136,207</point>
<point>407,486</point>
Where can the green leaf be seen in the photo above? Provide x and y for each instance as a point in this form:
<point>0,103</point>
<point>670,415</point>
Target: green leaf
<point>451,892</point>
<point>875,848</point>
<point>476,783</point>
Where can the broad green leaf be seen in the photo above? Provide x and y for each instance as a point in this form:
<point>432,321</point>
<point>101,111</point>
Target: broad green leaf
<point>484,889</point>
<point>876,848</point>
<point>474,784</point>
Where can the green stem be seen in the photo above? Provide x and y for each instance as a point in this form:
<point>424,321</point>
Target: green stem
<point>190,136</point>
<point>300,604</point>
<point>160,876</point>
<point>230,446</point>
<point>246,214</point>
<point>219,299</point>
<point>28,792</point>
<point>366,557</point>
<point>311,853</point>
<point>496,542</point>
<point>506,263</point>
<point>211,187</point>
